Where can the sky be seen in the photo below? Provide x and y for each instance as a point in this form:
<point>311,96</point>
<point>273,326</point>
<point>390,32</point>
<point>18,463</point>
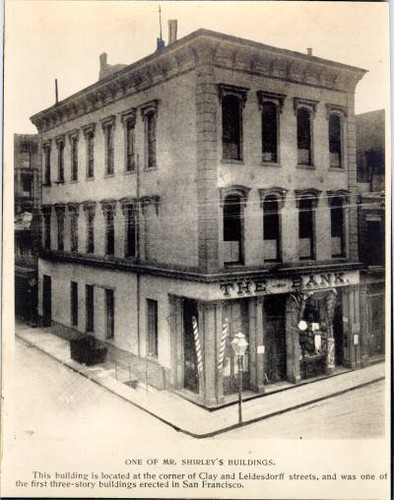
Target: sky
<point>59,39</point>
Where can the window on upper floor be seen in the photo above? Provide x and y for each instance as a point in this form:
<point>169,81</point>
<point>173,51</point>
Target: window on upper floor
<point>128,119</point>
<point>108,125</point>
<point>90,232</point>
<point>109,233</point>
<point>338,241</point>
<point>60,161</point>
<point>89,133</point>
<point>232,100</point>
<point>270,132</point>
<point>47,164</point>
<point>271,227</point>
<point>74,157</point>
<point>27,184</point>
<point>131,233</point>
<point>150,139</point>
<point>149,115</point>
<point>47,229</point>
<point>73,210</point>
<point>232,128</point>
<point>335,140</point>
<point>306,228</point>
<point>233,229</point>
<point>60,213</point>
<point>304,137</point>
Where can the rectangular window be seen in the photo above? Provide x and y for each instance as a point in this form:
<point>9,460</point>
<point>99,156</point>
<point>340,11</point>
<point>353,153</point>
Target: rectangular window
<point>26,185</point>
<point>232,127</point>
<point>150,139</point>
<point>74,232</point>
<point>109,149</point>
<point>47,231</point>
<point>60,232</point>
<point>89,308</point>
<point>110,314</point>
<point>110,233</point>
<point>153,339</point>
<point>74,303</point>
<point>306,221</point>
<point>337,229</point>
<point>335,137</point>
<point>304,137</point>
<point>130,165</point>
<point>90,233</point>
<point>271,229</point>
<point>270,132</point>
<point>60,162</point>
<point>90,155</point>
<point>131,233</point>
<point>74,159</point>
<point>47,165</point>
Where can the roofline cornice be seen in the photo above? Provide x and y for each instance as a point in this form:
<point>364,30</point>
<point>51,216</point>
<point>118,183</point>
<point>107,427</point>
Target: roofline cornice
<point>183,55</point>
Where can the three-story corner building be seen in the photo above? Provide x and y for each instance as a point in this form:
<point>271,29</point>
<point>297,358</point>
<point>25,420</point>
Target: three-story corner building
<point>205,190</point>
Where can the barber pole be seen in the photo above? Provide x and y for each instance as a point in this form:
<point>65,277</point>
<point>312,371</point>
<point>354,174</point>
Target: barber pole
<point>222,349</point>
<point>197,343</point>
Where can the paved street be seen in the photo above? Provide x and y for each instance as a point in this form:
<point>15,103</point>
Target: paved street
<point>48,392</point>
<point>356,414</point>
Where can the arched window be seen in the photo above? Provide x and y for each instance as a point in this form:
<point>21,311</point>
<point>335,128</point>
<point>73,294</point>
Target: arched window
<point>233,229</point>
<point>270,132</point>
<point>306,228</point>
<point>335,140</point>
<point>338,243</point>
<point>232,127</point>
<point>271,225</point>
<point>304,137</point>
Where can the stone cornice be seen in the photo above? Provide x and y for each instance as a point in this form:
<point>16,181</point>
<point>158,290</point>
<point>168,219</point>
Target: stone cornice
<point>225,51</point>
<point>335,108</point>
<point>277,192</point>
<point>309,194</point>
<point>282,271</point>
<point>89,129</point>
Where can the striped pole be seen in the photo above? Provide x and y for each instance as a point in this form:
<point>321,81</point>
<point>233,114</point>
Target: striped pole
<point>200,366</point>
<point>222,349</point>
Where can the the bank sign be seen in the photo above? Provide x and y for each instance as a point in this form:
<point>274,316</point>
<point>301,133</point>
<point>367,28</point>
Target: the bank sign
<point>265,286</point>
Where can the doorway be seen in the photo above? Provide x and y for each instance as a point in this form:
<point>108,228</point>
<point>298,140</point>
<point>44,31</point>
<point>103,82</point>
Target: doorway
<point>337,325</point>
<point>275,338</point>
<point>47,300</point>
<point>190,371</point>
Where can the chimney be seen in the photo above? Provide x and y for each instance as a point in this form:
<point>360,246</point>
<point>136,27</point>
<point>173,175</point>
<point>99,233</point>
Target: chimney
<point>172,30</point>
<point>103,61</point>
<point>309,51</point>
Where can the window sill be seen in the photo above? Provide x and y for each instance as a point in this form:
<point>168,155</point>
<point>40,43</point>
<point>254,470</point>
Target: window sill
<point>153,359</point>
<point>337,169</point>
<point>231,162</point>
<point>149,169</point>
<point>306,167</point>
<point>107,176</point>
<point>75,181</point>
<point>270,164</point>
<point>58,182</point>
<point>88,179</point>
<point>129,172</point>
<point>47,184</point>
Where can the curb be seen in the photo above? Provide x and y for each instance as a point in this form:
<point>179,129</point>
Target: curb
<point>211,433</point>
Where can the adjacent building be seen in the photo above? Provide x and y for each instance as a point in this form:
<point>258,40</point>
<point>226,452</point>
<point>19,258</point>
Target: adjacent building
<point>27,190</point>
<point>205,190</point>
<point>370,130</point>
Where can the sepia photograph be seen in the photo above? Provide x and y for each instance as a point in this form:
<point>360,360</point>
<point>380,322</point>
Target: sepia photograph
<point>196,302</point>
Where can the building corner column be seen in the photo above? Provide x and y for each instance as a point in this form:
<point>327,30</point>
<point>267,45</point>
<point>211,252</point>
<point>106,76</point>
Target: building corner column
<point>293,374</point>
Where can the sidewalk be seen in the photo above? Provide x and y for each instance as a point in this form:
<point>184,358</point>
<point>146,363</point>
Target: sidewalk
<point>188,417</point>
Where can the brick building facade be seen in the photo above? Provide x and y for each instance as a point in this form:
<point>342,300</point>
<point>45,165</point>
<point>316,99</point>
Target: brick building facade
<point>207,189</point>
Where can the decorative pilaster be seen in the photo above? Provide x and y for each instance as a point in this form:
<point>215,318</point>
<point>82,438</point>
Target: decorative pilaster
<point>293,308</point>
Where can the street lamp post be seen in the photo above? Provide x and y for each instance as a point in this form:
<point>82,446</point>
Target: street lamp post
<point>239,345</point>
